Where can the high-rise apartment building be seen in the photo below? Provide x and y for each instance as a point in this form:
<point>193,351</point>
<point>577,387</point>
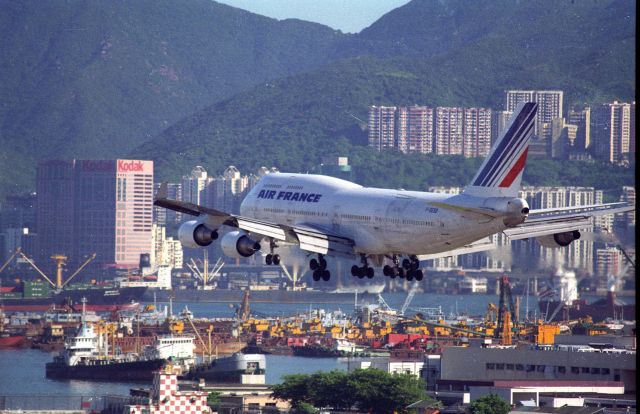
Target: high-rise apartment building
<point>476,141</point>
<point>55,207</point>
<point>550,104</point>
<point>194,185</point>
<point>107,210</point>
<point>414,128</point>
<point>499,120</point>
<point>420,129</point>
<point>163,216</point>
<point>609,265</point>
<point>628,219</point>
<point>449,131</point>
<point>582,120</point>
<point>611,129</point>
<point>225,193</point>
<point>382,127</point>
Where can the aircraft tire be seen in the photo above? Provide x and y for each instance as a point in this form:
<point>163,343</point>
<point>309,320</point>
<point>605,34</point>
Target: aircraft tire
<point>322,264</point>
<point>268,259</point>
<point>393,275</point>
<point>276,259</point>
<point>316,275</point>
<point>354,270</point>
<point>313,264</point>
<point>419,275</point>
<point>361,272</point>
<point>370,272</point>
<point>406,264</point>
<point>401,273</point>
<point>326,275</point>
<point>387,270</point>
<point>410,275</point>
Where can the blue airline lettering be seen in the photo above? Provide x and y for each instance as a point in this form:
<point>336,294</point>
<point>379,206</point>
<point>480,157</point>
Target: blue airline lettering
<point>289,196</point>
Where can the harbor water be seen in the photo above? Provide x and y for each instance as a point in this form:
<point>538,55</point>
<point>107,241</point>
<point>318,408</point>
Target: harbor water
<point>22,371</point>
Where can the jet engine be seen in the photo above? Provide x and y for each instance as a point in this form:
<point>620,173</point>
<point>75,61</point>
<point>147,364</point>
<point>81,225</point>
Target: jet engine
<point>559,239</point>
<point>195,234</point>
<point>238,244</point>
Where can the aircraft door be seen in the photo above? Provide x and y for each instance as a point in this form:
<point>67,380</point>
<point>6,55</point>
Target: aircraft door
<point>335,219</point>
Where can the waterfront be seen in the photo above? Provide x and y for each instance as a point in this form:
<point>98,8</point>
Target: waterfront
<point>23,370</point>
<point>23,374</point>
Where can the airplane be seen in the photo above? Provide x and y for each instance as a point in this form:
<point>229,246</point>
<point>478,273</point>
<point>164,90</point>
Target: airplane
<point>329,217</point>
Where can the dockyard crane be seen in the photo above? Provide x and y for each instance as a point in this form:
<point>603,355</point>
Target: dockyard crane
<point>5,264</point>
<point>506,317</point>
<point>60,260</point>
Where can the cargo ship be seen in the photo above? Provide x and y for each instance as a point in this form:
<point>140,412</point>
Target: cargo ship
<point>316,296</point>
<point>36,296</point>
<point>86,357</point>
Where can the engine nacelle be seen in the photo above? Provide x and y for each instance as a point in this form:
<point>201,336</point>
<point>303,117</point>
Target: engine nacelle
<point>237,244</point>
<point>195,234</point>
<point>559,239</point>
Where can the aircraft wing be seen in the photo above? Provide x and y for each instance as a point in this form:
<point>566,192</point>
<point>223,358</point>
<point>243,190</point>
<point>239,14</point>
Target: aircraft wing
<point>309,237</point>
<point>475,247</point>
<point>558,220</point>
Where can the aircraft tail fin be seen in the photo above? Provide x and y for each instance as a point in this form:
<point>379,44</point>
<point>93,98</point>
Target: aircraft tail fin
<point>501,172</point>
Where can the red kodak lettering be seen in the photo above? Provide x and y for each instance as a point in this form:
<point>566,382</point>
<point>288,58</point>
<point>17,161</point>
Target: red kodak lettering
<point>124,166</point>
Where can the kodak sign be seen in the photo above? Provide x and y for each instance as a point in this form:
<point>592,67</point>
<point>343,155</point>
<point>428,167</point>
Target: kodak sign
<point>130,166</point>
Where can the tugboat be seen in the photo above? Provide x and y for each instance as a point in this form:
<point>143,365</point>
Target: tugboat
<point>86,356</point>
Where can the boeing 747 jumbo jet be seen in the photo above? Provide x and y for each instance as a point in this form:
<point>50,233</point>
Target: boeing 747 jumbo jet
<point>326,216</point>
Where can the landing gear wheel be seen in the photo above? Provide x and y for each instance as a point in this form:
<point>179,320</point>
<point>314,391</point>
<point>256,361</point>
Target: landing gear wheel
<point>419,275</point>
<point>322,263</point>
<point>410,275</point>
<point>326,275</point>
<point>354,270</point>
<point>316,275</point>
<point>387,270</point>
<point>406,264</point>
<point>370,272</point>
<point>361,272</point>
<point>393,275</point>
<point>401,273</point>
<point>268,259</point>
<point>276,259</point>
<point>313,264</point>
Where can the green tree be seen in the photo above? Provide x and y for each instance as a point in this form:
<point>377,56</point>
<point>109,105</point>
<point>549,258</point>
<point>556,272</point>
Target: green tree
<point>489,404</point>
<point>295,388</point>
<point>213,400</point>
<point>369,390</point>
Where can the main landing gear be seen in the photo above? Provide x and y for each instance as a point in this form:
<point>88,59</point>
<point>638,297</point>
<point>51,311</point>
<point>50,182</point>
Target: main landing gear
<point>271,258</point>
<point>409,269</point>
<point>319,268</point>
<point>362,271</point>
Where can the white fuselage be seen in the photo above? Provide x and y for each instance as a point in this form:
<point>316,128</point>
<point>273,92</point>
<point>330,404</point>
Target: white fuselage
<point>379,221</point>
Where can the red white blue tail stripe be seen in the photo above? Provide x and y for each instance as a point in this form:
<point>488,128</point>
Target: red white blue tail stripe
<point>503,167</point>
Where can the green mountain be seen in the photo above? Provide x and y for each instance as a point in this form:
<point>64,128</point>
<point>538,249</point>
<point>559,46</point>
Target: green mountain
<point>196,82</point>
<point>293,122</point>
<point>97,78</point>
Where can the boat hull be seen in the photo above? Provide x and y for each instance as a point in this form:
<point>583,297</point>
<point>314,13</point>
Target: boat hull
<point>106,371</point>
<point>97,300</point>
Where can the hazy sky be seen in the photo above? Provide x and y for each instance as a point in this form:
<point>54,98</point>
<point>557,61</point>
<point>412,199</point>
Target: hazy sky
<point>350,16</point>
